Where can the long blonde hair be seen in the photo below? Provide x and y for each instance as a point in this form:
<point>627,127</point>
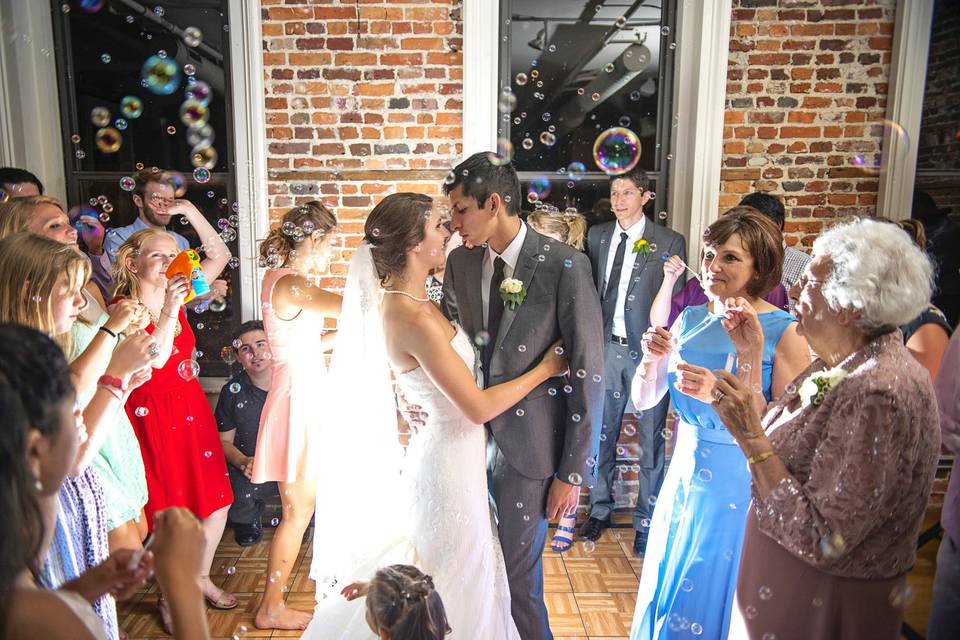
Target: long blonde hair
<point>126,283</point>
<point>16,214</point>
<point>570,226</point>
<point>30,267</point>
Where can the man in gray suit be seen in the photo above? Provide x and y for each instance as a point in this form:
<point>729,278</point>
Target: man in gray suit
<point>627,259</point>
<point>538,451</point>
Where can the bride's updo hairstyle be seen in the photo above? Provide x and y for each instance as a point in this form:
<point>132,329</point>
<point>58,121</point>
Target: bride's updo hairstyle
<point>296,225</point>
<point>397,223</point>
<point>402,601</point>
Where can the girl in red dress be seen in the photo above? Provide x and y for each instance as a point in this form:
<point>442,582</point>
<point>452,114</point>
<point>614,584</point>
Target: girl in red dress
<point>170,414</point>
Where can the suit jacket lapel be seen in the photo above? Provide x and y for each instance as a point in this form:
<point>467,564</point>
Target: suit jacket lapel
<point>473,281</point>
<point>526,264</point>
<point>641,260</point>
<point>603,252</point>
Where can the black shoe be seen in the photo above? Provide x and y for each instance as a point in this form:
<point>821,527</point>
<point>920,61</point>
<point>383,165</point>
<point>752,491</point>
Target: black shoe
<point>592,528</point>
<point>639,545</point>
<point>248,535</point>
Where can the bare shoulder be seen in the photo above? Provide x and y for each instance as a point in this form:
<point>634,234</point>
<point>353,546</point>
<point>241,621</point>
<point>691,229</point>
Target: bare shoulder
<point>409,326</point>
<point>36,613</point>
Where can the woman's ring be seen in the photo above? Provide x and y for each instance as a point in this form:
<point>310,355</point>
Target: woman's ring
<point>718,395</point>
<point>154,350</point>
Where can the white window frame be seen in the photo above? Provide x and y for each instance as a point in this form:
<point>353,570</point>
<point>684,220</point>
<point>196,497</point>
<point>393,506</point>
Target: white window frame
<point>700,73</point>
<point>905,92</point>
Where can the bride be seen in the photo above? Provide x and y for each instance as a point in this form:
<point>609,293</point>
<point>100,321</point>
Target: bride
<point>429,508</point>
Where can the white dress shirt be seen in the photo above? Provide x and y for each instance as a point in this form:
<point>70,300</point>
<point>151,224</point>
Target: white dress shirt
<point>634,233</point>
<point>510,256</point>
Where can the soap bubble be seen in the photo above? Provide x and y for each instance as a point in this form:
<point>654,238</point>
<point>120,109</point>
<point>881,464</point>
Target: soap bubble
<point>189,69</point>
<point>548,139</point>
<point>194,114</point>
<point>507,101</point>
<point>234,387</point>
<point>141,412</point>
<point>521,79</point>
<point>108,140</point>
<point>218,304</point>
<point>616,150</point>
<point>540,187</point>
<point>160,75</point>
<point>504,153</point>
<point>589,546</point>
<point>575,478</point>
<point>765,592</point>
<point>192,36</point>
<point>131,107</point>
<point>228,355</point>
<point>520,413</point>
<point>171,130</point>
<point>105,58</point>
<point>188,369</point>
<point>120,124</point>
<point>686,585</point>
<point>205,156</point>
<point>575,171</point>
<point>100,116</point>
<point>527,143</point>
<point>127,183</point>
<point>199,91</point>
<point>201,175</point>
<point>89,6</point>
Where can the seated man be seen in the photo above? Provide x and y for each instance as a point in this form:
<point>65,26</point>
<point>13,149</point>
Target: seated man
<point>18,183</point>
<point>238,418</point>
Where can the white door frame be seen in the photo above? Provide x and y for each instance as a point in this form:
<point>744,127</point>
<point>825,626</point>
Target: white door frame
<point>906,87</point>
<point>30,136</point>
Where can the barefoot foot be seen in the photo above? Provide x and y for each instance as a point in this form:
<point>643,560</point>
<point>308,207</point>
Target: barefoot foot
<point>282,618</point>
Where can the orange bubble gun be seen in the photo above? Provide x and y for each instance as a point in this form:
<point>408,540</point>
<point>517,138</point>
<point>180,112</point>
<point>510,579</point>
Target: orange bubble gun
<point>187,263</point>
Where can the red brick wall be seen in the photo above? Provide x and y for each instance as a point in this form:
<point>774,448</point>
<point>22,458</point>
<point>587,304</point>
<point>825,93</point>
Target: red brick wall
<point>806,94</point>
<point>362,99</point>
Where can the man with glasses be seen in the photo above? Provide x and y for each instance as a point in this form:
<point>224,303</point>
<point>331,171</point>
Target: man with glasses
<point>152,196</point>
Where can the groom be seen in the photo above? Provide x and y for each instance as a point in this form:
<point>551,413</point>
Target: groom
<point>538,450</point>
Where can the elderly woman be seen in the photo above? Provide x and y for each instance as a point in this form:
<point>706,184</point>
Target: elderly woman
<point>843,462</point>
<point>693,550</point>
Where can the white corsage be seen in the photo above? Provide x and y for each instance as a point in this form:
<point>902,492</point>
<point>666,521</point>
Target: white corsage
<point>814,389</point>
<point>512,292</point>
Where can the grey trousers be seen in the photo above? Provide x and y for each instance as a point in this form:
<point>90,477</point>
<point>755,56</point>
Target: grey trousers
<point>945,612</point>
<point>619,369</point>
<point>247,497</point>
<point>521,506</point>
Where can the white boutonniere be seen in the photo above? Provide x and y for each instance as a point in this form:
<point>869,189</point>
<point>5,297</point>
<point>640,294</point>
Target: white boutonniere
<point>512,292</point>
<point>814,389</point>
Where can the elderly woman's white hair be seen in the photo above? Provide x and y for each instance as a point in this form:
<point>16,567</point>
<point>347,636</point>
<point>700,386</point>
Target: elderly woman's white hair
<point>877,269</point>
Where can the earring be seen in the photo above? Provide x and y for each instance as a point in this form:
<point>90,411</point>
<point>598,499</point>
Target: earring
<point>417,248</point>
<point>38,485</point>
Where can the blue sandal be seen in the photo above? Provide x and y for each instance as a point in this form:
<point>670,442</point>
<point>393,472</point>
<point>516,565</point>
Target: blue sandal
<point>561,542</point>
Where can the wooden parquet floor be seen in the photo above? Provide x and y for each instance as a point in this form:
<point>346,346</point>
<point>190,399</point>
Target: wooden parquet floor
<point>590,592</point>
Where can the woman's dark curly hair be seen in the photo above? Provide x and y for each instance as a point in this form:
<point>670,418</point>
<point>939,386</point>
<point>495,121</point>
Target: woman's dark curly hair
<point>403,602</point>
<point>397,223</point>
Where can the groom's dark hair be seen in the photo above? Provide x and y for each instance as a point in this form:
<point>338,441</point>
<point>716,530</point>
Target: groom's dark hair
<point>479,178</point>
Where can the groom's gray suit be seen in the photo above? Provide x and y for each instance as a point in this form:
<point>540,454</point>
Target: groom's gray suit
<point>553,431</point>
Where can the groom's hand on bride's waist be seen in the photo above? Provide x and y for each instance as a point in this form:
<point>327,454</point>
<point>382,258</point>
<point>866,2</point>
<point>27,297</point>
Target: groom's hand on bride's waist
<point>413,414</point>
<point>562,499</point>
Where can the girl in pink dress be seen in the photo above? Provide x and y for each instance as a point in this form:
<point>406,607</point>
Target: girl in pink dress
<point>294,312</point>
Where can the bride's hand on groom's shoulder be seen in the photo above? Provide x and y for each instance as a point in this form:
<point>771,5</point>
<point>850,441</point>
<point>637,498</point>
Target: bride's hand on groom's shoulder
<point>355,590</point>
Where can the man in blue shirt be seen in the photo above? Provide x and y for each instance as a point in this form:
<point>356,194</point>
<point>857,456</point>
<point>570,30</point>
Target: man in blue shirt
<point>155,191</point>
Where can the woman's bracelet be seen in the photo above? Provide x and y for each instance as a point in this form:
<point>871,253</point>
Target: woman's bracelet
<point>164,313</point>
<point>113,392</point>
<point>760,457</point>
<point>108,332</point>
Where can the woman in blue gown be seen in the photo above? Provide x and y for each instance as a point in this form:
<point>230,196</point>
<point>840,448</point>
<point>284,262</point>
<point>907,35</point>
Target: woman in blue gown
<point>693,551</point>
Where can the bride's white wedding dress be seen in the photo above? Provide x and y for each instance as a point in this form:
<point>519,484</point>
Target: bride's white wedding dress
<point>444,526</point>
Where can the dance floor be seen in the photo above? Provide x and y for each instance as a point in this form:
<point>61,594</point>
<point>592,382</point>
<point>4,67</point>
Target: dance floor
<point>590,592</point>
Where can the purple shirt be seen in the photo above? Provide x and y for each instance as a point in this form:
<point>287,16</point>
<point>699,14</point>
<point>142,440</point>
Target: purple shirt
<point>947,388</point>
<point>692,295</point>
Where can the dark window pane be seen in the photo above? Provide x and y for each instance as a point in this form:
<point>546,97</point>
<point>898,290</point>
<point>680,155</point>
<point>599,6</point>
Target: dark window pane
<point>144,118</point>
<point>577,69</point>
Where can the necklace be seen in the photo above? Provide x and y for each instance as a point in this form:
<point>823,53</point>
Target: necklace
<point>156,322</point>
<point>404,293</point>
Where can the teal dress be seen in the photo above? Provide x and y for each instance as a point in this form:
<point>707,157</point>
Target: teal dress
<point>693,550</point>
<point>118,462</point>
